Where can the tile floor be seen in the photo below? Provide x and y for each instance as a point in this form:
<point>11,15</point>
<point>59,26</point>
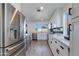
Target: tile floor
<point>39,48</point>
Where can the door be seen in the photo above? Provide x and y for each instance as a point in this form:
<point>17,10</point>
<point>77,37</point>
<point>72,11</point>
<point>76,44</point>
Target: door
<point>39,37</point>
<point>11,25</point>
<point>74,50</point>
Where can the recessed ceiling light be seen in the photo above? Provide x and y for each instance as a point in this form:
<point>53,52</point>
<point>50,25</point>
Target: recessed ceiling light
<point>41,8</point>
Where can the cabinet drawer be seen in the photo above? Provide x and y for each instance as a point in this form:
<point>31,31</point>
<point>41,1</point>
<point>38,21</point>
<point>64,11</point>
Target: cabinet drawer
<point>58,48</point>
<point>50,43</point>
<point>50,37</point>
<point>63,49</point>
<point>58,52</point>
<point>55,42</point>
<point>54,48</point>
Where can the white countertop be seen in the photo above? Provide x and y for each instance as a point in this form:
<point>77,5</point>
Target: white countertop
<point>61,39</point>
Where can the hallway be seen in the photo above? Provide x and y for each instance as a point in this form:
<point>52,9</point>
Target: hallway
<point>39,48</point>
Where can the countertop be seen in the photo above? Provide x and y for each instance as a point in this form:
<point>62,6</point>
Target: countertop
<point>61,39</point>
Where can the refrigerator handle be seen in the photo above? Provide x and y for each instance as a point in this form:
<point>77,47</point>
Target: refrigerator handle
<point>15,34</point>
<point>9,49</point>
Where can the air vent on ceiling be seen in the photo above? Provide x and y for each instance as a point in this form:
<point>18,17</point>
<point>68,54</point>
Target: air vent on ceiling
<point>40,9</point>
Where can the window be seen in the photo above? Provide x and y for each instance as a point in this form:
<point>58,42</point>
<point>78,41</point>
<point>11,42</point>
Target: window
<point>65,23</point>
<point>40,26</point>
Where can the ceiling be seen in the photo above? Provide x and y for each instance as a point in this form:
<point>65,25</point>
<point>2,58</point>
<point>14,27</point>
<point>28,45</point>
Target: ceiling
<point>30,10</point>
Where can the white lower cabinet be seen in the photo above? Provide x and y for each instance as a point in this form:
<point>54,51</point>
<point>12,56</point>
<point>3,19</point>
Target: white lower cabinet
<point>53,47</point>
<point>41,36</point>
<point>58,48</point>
<point>56,51</point>
<point>63,49</point>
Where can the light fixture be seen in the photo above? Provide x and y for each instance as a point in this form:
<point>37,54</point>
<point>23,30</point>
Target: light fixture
<point>40,9</point>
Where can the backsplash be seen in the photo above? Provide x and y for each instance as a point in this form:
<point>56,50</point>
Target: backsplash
<point>56,30</point>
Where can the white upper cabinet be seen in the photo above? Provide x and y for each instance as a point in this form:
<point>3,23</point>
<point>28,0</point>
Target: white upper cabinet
<point>75,10</point>
<point>56,19</point>
<point>59,18</point>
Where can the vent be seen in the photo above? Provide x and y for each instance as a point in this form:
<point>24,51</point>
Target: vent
<point>40,9</point>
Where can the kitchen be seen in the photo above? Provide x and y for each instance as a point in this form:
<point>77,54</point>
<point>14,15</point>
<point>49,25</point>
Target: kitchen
<point>39,29</point>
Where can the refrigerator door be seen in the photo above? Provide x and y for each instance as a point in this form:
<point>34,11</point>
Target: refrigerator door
<point>10,41</point>
<point>22,18</point>
<point>12,22</point>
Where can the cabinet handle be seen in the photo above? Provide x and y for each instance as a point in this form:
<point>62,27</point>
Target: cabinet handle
<point>62,47</point>
<point>55,41</point>
<point>57,51</point>
<point>51,41</point>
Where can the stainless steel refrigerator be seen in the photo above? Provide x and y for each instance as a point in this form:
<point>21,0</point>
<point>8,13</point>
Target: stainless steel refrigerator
<point>11,34</point>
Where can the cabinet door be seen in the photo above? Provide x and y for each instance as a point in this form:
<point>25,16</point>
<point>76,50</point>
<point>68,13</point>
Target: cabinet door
<point>44,36</point>
<point>63,49</point>
<point>74,50</point>
<point>52,45</point>
<point>10,25</point>
<point>58,20</point>
<point>50,37</point>
<point>56,50</point>
<point>39,36</point>
<point>75,10</point>
<point>50,40</point>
